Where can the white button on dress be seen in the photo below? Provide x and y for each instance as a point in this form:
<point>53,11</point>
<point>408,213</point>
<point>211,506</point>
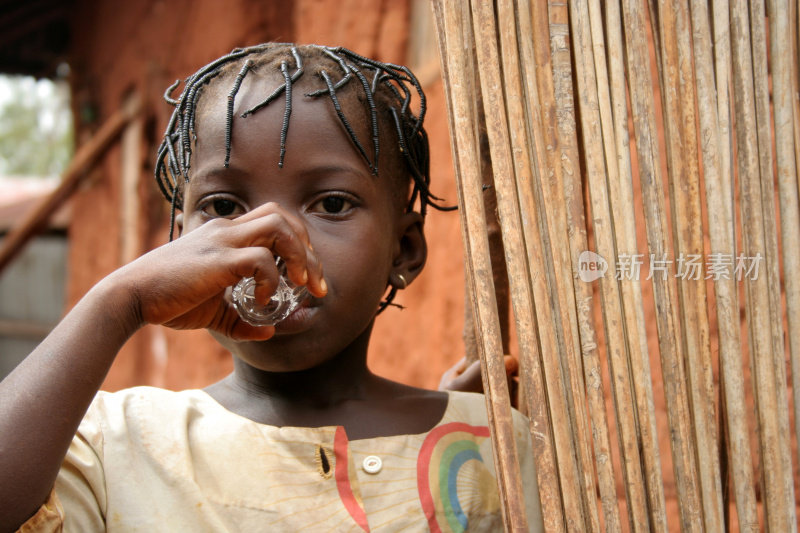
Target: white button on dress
<point>372,464</point>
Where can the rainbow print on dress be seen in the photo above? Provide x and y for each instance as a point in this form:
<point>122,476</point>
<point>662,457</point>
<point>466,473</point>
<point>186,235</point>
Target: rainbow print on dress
<point>455,476</point>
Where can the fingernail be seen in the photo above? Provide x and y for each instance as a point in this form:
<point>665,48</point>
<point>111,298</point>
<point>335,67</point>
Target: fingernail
<point>305,277</point>
<point>323,285</point>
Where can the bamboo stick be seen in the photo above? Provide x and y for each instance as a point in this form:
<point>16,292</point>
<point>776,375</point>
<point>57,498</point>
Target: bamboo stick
<point>567,170</point>
<point>683,333</point>
<point>796,82</point>
<point>778,517</point>
<point>499,271</point>
<point>669,332</point>
<point>731,379</point>
<point>531,111</point>
<point>684,179</point>
<point>521,275</point>
<point>727,306</point>
<point>771,258</point>
<point>453,28</point>
<point>622,207</point>
<point>780,17</point>
<point>722,73</point>
<point>84,158</point>
<point>596,166</point>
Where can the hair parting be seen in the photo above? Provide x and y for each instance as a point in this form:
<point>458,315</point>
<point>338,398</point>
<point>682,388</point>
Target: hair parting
<point>295,76</point>
<point>337,106</point>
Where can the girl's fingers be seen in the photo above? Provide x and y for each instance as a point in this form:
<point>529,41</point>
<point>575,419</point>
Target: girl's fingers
<point>461,377</point>
<point>196,270</point>
<point>468,378</point>
<point>315,281</point>
<point>271,227</point>
<point>259,263</point>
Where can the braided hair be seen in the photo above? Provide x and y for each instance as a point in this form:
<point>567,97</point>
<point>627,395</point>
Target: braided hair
<point>385,85</point>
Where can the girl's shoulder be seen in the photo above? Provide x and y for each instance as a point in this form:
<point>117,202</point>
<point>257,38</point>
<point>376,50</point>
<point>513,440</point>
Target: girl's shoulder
<point>145,410</point>
<point>147,399</point>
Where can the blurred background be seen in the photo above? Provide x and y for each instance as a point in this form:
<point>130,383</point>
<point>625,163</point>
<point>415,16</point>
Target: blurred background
<point>69,68</point>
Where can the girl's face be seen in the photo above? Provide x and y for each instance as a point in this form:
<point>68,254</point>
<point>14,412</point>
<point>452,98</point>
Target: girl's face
<point>356,226</point>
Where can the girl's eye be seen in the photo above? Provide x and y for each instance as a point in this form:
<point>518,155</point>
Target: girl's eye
<point>334,204</point>
<point>220,207</point>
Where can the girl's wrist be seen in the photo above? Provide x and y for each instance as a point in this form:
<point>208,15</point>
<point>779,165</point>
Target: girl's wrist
<point>118,303</point>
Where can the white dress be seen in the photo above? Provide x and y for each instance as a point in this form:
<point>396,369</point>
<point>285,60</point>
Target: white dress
<point>148,459</point>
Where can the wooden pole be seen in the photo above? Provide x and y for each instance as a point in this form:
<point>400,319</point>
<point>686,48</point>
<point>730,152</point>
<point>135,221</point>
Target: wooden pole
<point>84,158</point>
<point>684,179</point>
<point>780,60</point>
<point>454,29</point>
<point>796,82</point>
<point>531,127</point>
<point>773,473</point>
<point>567,175</point>
<point>514,185</point>
<point>715,150</point>
<point>131,148</point>
<point>622,208</point>
<point>759,43</point>
<point>667,321</point>
<point>597,164</point>
<point>527,95</point>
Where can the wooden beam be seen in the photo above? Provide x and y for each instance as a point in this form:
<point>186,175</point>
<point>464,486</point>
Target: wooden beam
<point>85,157</point>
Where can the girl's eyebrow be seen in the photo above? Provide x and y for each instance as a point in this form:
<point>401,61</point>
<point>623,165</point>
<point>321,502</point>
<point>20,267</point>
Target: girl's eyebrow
<point>232,175</point>
<point>333,169</point>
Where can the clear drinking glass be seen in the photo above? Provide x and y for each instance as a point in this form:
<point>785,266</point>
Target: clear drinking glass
<point>284,301</point>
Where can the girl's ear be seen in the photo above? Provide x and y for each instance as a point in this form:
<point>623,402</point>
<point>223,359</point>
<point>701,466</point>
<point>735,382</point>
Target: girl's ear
<point>179,223</point>
<point>411,251</point>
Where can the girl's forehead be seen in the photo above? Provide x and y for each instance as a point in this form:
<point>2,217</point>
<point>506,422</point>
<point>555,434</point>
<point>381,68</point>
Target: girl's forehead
<point>314,140</point>
<point>278,127</point>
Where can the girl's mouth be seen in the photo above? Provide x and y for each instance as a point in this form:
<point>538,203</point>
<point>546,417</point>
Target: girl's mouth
<point>299,319</point>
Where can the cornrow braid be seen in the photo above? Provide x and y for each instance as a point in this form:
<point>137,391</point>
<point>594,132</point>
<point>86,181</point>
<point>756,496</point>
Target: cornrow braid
<point>229,117</point>
<point>383,85</point>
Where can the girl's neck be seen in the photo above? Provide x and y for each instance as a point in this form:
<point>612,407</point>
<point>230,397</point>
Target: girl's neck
<point>321,387</point>
<point>302,398</point>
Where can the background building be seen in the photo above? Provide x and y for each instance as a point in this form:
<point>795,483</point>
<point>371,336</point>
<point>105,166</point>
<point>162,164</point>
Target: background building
<point>115,50</point>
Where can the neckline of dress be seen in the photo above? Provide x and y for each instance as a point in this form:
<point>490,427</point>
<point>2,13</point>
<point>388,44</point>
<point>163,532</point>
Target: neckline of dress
<point>332,429</point>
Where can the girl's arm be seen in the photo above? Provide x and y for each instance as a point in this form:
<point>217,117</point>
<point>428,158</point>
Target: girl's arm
<point>182,285</point>
<point>43,400</point>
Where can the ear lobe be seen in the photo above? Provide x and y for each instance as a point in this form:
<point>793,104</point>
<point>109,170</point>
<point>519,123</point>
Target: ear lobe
<point>179,223</point>
<point>411,251</point>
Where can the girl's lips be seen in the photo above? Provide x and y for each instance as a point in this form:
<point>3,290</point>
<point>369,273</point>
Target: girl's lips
<point>299,319</point>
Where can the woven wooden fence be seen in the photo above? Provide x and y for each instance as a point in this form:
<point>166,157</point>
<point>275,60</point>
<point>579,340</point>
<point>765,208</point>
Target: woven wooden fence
<point>644,154</point>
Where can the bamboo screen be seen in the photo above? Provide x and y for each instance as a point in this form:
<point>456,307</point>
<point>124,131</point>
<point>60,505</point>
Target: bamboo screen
<point>633,140</point>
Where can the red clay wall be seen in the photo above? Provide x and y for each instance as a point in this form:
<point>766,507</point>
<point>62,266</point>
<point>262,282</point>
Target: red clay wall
<point>145,46</point>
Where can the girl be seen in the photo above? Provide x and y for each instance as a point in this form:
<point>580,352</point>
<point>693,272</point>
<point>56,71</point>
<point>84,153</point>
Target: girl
<point>313,155</point>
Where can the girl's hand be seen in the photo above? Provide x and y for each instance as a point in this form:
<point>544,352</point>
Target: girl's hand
<point>467,378</point>
<point>183,284</point>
